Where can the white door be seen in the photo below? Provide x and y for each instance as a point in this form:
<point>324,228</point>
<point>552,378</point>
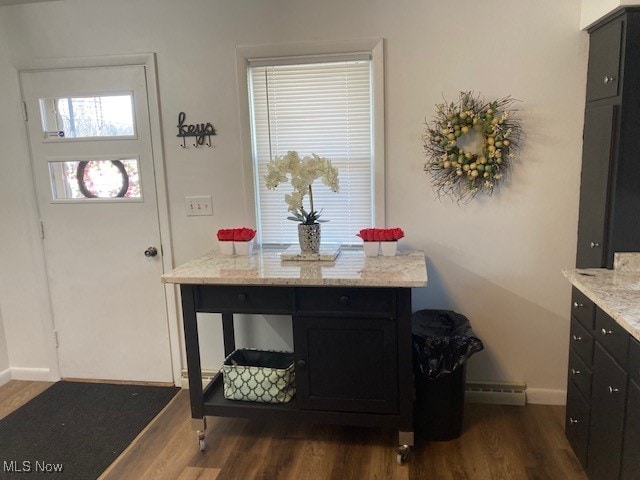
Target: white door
<point>93,170</point>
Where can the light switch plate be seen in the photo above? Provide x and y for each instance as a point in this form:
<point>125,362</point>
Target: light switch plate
<point>196,206</point>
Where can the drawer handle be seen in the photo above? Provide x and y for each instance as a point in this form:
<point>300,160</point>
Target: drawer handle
<point>575,372</point>
<point>242,297</point>
<point>573,421</point>
<point>577,305</point>
<point>613,390</point>
<point>594,244</point>
<point>576,338</point>
<point>344,300</point>
<point>604,331</point>
<point>608,79</point>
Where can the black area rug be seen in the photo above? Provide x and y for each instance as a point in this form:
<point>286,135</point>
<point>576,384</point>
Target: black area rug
<point>78,427</point>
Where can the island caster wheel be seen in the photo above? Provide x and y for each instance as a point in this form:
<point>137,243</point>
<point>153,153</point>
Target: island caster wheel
<point>402,454</point>
<point>201,443</point>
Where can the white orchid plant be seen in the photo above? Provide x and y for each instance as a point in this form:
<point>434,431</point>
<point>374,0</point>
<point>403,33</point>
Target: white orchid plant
<point>303,172</point>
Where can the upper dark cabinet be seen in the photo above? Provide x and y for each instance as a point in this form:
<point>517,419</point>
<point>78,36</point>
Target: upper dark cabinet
<point>603,77</point>
<point>598,145</point>
<point>610,181</point>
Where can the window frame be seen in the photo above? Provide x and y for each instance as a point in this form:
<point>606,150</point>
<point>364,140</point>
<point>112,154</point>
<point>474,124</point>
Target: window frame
<point>375,48</point>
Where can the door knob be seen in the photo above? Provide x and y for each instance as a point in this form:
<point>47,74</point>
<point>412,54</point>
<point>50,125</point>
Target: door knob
<point>577,305</point>
<point>302,363</point>
<point>573,421</point>
<point>613,390</point>
<point>594,244</point>
<point>151,252</point>
<point>604,331</point>
<point>608,79</point>
<point>575,372</point>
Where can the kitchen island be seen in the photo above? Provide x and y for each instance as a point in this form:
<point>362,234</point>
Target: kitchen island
<point>351,321</point>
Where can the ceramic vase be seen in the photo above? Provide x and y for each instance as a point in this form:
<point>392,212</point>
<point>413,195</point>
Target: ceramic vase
<point>389,249</point>
<point>244,248</point>
<point>226,247</point>
<point>371,249</point>
<point>309,238</point>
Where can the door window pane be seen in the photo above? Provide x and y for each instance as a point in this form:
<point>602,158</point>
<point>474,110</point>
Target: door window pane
<point>91,179</point>
<point>87,117</point>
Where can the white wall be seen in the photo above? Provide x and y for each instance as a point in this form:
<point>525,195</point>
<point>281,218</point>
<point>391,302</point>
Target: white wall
<point>594,10</point>
<point>5,371</point>
<point>497,260</point>
<point>23,297</point>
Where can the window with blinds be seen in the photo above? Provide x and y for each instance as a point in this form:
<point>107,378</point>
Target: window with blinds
<point>322,107</point>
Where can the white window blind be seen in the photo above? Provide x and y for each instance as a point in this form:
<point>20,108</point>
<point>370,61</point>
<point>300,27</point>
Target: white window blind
<point>323,108</point>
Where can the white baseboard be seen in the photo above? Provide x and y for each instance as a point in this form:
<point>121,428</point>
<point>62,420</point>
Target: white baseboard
<point>32,374</point>
<point>543,396</point>
<point>5,376</point>
<point>207,375</point>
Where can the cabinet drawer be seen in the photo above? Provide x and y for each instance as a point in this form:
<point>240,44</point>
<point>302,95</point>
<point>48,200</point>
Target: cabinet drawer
<point>583,309</point>
<point>633,367</point>
<point>603,76</point>
<point>580,374</point>
<point>361,301</point>
<point>577,423</point>
<point>612,336</point>
<point>239,299</point>
<point>581,341</point>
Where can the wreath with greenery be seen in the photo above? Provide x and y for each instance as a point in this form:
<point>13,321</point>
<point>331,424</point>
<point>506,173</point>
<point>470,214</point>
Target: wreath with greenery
<point>459,168</point>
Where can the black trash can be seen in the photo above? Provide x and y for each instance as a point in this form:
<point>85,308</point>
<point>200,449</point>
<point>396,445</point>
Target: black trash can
<point>442,342</point>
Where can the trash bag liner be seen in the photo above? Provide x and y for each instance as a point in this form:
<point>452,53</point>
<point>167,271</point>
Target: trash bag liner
<point>442,342</point>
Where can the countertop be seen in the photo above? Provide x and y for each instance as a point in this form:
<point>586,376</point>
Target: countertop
<point>617,292</point>
<point>264,267</point>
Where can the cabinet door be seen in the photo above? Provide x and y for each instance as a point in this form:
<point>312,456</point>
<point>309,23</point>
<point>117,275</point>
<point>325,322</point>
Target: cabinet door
<point>607,416</point>
<point>346,364</point>
<point>599,135</point>
<point>604,61</point>
<point>631,444</point>
<point>577,423</point>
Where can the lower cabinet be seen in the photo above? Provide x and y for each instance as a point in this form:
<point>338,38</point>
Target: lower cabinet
<point>603,399</point>
<point>631,449</point>
<point>607,416</point>
<point>346,364</point>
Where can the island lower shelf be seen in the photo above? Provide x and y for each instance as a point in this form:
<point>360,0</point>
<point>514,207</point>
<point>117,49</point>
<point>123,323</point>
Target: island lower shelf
<point>217,406</point>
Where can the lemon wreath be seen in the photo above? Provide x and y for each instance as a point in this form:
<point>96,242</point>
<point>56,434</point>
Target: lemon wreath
<point>471,145</point>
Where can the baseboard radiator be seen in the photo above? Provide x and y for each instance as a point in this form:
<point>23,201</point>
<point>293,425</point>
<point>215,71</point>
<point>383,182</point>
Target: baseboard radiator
<point>496,393</point>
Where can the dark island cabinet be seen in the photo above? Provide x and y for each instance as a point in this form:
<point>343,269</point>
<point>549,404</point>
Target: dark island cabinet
<point>346,364</point>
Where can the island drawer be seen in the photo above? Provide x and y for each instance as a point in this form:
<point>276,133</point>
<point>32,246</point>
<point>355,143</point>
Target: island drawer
<point>360,301</point>
<point>583,309</point>
<point>581,341</point>
<point>243,299</point>
<point>612,336</point>
<point>580,374</point>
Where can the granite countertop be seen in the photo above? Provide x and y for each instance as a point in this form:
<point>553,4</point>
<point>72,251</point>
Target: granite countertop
<point>264,267</point>
<point>616,291</point>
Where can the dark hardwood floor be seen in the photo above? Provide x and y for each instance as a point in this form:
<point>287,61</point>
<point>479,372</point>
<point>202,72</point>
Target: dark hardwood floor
<point>499,442</point>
